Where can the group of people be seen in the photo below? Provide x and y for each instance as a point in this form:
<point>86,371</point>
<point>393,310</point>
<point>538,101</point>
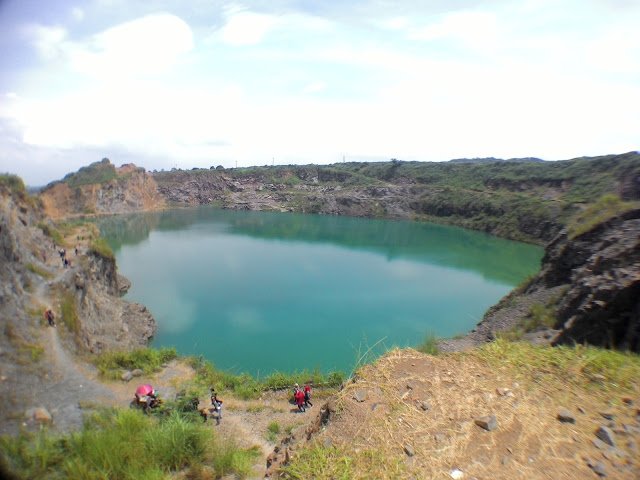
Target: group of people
<point>302,397</point>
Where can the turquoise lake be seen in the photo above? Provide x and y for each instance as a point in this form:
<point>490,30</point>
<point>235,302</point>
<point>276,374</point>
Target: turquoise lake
<point>257,292</point>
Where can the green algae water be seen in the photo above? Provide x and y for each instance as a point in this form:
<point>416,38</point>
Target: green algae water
<point>258,292</point>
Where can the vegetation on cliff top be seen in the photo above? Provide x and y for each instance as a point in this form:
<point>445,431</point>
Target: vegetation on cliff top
<point>526,200</point>
<point>95,173</point>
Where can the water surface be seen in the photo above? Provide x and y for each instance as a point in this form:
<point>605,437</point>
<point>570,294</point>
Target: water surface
<point>257,292</point>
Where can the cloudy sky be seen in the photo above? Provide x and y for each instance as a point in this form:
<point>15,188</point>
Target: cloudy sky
<point>165,83</point>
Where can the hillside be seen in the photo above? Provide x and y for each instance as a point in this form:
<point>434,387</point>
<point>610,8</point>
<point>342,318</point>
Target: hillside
<point>504,411</point>
<point>521,200</point>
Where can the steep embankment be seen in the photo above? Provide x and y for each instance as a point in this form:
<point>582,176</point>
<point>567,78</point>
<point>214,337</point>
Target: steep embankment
<point>84,298</point>
<point>588,291</point>
<point>522,200</point>
<point>100,188</point>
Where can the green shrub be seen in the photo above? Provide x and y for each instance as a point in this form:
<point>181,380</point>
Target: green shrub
<point>69,313</point>
<point>273,429</point>
<point>429,345</point>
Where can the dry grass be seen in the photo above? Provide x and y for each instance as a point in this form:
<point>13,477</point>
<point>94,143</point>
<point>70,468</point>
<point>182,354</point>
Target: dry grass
<point>529,442</point>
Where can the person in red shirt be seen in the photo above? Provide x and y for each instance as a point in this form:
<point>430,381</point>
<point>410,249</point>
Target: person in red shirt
<point>299,397</point>
<point>307,396</point>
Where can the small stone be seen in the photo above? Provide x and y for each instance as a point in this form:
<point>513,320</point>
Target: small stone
<point>607,415</point>
<point>410,386</point>
<point>505,460</point>
<point>405,395</point>
<point>42,415</point>
<point>440,438</point>
<point>408,449</point>
<point>566,416</point>
<point>456,474</point>
<point>126,376</point>
<point>510,450</point>
<point>360,395</point>
<point>599,469</point>
<point>503,391</point>
<point>487,422</point>
<point>424,405</point>
<point>606,435</point>
<point>582,410</point>
<point>137,372</point>
<point>627,401</point>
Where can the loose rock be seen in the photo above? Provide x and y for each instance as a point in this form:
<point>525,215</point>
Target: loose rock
<point>487,422</point>
<point>606,435</point>
<point>424,405</point>
<point>126,376</point>
<point>599,469</point>
<point>566,416</point>
<point>408,449</point>
<point>360,395</point>
<point>137,372</point>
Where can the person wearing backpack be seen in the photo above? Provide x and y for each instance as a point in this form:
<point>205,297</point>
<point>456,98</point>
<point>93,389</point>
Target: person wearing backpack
<point>307,395</point>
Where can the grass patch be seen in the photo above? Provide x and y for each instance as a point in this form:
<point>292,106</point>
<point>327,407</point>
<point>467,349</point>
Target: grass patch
<point>579,365</point>
<point>53,233</point>
<point>429,345</point>
<point>110,364</point>
<point>247,387</point>
<point>69,313</point>
<point>606,207</point>
<point>39,271</point>
<point>123,444</point>
<point>321,462</point>
<point>101,248</point>
<point>273,430</point>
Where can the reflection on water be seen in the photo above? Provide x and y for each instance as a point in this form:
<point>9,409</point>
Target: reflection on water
<point>256,291</point>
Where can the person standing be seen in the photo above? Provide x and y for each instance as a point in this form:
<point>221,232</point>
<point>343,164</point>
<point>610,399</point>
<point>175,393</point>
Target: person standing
<point>216,403</point>
<point>49,317</point>
<point>307,395</point>
<point>299,396</point>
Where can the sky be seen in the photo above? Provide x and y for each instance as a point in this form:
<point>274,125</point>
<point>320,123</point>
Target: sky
<point>201,83</point>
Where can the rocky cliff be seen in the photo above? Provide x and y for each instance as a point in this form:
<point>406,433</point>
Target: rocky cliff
<point>102,188</point>
<point>587,291</point>
<point>85,298</point>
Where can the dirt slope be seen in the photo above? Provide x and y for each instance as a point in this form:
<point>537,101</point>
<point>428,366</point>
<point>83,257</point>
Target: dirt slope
<point>412,416</point>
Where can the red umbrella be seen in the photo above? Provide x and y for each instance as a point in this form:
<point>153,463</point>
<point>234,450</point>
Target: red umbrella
<point>143,390</point>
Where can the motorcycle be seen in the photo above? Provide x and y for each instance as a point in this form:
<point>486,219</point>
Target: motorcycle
<point>146,398</point>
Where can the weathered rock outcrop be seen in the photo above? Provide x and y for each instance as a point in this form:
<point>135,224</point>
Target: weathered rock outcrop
<point>601,267</point>
<point>107,190</point>
<point>590,284</point>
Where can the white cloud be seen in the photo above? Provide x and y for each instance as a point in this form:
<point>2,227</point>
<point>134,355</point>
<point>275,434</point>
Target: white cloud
<point>146,45</point>
<point>247,28</point>
<point>314,87</point>
<point>49,41</point>
<point>473,28</point>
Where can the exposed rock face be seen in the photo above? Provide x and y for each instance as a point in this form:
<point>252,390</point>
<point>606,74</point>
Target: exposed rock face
<point>132,189</point>
<point>602,268</point>
<point>592,285</point>
<point>32,278</point>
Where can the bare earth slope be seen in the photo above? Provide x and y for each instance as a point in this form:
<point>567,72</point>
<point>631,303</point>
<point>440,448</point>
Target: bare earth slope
<point>413,416</point>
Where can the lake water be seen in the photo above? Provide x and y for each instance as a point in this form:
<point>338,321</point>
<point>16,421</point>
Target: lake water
<point>257,292</point>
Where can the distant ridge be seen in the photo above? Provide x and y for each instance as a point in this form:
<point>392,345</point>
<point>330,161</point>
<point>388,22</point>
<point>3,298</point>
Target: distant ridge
<point>493,160</point>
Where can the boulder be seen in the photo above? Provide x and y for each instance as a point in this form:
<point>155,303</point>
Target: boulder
<point>137,372</point>
<point>40,415</point>
<point>360,395</point>
<point>126,376</point>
